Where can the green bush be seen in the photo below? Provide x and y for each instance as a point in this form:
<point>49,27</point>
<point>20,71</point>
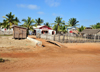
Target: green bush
<point>2,60</point>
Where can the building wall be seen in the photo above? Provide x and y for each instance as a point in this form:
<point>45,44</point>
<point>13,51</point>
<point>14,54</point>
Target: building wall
<point>98,33</point>
<point>38,31</point>
<point>7,31</point>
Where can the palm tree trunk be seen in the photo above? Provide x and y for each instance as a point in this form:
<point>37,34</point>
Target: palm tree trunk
<point>27,31</point>
<point>57,29</point>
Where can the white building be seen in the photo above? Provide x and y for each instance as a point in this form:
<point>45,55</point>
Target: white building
<point>6,31</point>
<point>43,30</point>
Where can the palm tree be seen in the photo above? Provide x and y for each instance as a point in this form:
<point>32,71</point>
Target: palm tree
<point>11,19</point>
<point>81,28</point>
<point>39,21</point>
<point>57,24</point>
<point>95,26</point>
<point>47,24</point>
<point>28,23</point>
<point>72,22</point>
<point>63,28</point>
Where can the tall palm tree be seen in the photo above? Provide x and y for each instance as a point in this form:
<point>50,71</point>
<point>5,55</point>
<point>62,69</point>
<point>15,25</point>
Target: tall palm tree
<point>57,24</point>
<point>39,21</point>
<point>28,23</point>
<point>11,19</point>
<point>72,22</point>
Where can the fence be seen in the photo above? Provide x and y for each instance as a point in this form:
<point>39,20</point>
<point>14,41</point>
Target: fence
<point>6,32</point>
<point>68,38</point>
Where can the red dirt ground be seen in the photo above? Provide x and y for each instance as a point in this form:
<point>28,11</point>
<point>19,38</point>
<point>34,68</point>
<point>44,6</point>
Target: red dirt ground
<point>70,57</point>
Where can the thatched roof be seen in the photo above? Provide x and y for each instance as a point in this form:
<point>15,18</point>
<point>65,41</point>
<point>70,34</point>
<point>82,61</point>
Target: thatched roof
<point>91,31</point>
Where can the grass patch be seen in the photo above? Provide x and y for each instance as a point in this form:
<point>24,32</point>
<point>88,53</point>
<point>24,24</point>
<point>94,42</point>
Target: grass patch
<point>6,35</point>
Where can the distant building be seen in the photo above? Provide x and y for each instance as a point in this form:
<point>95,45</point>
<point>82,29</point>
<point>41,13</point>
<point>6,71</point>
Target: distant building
<point>42,29</point>
<point>72,29</point>
<point>90,32</point>
<point>6,31</point>
<point>88,28</point>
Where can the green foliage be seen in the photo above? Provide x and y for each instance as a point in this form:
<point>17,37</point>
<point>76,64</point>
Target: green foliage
<point>39,21</point>
<point>28,23</point>
<point>1,60</point>
<point>9,21</point>
<point>57,24</point>
<point>81,28</point>
<point>72,22</point>
<point>47,24</point>
<point>95,26</point>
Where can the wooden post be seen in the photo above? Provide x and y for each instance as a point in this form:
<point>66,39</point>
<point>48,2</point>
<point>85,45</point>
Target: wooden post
<point>94,37</point>
<point>98,38</point>
<point>54,38</point>
<point>59,37</point>
<point>85,37</point>
<point>46,36</point>
<point>69,37</point>
<point>63,38</point>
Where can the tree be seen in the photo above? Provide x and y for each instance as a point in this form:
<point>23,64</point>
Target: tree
<point>10,20</point>
<point>47,24</point>
<point>5,24</point>
<point>28,23</point>
<point>81,28</point>
<point>95,26</point>
<point>72,22</point>
<point>63,28</point>
<point>57,24</point>
<point>39,21</point>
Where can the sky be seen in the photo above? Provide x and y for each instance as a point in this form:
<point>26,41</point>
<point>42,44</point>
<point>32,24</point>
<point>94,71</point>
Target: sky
<point>87,12</point>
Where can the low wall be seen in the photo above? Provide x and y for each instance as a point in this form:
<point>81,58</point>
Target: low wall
<point>38,43</point>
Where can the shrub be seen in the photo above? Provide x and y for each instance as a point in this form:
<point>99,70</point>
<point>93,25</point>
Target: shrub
<point>2,60</point>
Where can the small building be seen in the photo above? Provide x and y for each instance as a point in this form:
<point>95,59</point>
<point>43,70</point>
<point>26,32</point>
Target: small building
<point>88,28</point>
<point>43,30</point>
<point>90,32</point>
<point>6,31</point>
<point>72,29</point>
<point>19,32</point>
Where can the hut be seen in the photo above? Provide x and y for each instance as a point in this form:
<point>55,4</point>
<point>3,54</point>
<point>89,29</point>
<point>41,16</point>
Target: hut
<point>19,32</point>
<point>91,33</point>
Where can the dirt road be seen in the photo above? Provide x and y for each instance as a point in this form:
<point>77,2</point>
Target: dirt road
<point>70,57</point>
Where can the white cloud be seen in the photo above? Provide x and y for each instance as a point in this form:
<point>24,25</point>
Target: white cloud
<point>52,3</point>
<point>40,12</point>
<point>28,6</point>
<point>54,14</point>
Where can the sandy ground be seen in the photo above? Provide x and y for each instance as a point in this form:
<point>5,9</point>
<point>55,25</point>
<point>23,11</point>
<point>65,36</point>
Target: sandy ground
<point>70,57</point>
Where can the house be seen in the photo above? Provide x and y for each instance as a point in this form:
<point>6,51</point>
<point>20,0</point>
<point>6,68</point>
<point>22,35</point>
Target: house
<point>88,28</point>
<point>5,31</point>
<point>42,29</point>
<point>72,31</point>
<point>90,32</point>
